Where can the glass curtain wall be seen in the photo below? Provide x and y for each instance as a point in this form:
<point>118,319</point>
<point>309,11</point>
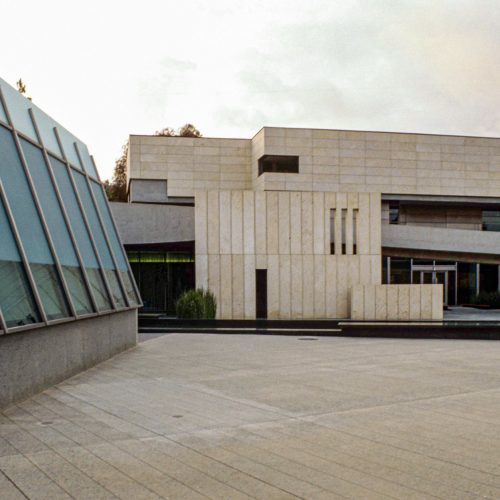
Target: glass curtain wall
<point>471,278</point>
<point>82,236</point>
<point>60,254</point>
<point>98,236</point>
<point>57,227</point>
<point>30,229</point>
<point>16,299</point>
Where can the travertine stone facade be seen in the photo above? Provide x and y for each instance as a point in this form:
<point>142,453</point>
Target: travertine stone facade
<point>189,164</point>
<point>397,302</point>
<point>334,160</point>
<point>289,234</point>
<point>454,217</point>
<point>330,160</point>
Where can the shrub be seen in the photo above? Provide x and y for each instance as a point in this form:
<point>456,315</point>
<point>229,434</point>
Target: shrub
<point>491,299</point>
<point>196,304</point>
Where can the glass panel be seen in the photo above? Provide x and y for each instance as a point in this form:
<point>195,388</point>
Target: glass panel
<point>16,300</point>
<point>3,116</point>
<point>79,293</point>
<point>68,143</point>
<point>46,128</point>
<point>88,164</point>
<point>427,278</point>
<point>466,282</point>
<point>108,224</point>
<point>129,287</point>
<point>92,217</point>
<point>50,290</point>
<point>18,108</point>
<point>488,278</point>
<point>30,228</point>
<point>99,238</point>
<point>491,220</point>
<point>98,289</point>
<point>81,234</point>
<point>115,287</point>
<point>400,271</point>
<point>384,270</point>
<point>116,245</point>
<point>57,226</point>
<point>161,278</point>
<point>279,163</point>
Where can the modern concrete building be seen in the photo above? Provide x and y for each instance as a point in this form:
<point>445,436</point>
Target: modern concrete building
<point>306,223</point>
<point>67,295</point>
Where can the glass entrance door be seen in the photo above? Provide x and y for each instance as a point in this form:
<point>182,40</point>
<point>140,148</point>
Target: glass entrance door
<point>434,278</point>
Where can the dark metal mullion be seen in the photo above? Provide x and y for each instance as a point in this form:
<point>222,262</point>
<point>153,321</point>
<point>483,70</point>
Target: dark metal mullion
<point>34,195</point>
<point>131,275</point>
<point>65,216</point>
<point>22,253</point>
<point>3,324</point>
<point>21,250</point>
<point>103,227</point>
<point>87,225</point>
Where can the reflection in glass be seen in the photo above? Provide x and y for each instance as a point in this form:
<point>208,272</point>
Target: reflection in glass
<point>57,227</point>
<point>115,288</point>
<point>81,234</point>
<point>49,289</point>
<point>16,300</point>
<point>114,241</point>
<point>99,238</point>
<point>400,271</point>
<point>30,228</point>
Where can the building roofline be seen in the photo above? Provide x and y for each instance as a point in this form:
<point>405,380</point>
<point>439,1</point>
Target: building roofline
<point>326,130</point>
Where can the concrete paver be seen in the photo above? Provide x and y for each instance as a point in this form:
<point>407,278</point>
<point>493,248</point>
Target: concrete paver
<point>268,417</point>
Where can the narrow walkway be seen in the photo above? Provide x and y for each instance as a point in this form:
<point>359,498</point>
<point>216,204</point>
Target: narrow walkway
<point>209,416</point>
<point>458,313</point>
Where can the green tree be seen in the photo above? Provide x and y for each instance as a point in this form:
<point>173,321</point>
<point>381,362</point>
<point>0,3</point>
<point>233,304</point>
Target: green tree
<point>187,130</point>
<point>21,87</point>
<point>116,189</point>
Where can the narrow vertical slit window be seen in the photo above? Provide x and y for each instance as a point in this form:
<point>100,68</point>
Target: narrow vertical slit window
<point>332,231</point>
<point>355,213</point>
<point>343,230</point>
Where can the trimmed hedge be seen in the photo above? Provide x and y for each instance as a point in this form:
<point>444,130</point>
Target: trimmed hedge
<point>196,304</point>
<point>491,299</point>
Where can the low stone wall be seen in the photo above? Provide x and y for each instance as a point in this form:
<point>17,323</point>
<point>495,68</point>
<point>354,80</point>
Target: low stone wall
<point>397,302</point>
<point>33,360</point>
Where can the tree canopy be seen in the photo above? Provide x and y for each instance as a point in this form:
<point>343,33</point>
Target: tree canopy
<point>116,189</point>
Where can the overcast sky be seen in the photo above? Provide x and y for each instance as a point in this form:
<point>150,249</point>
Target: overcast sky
<point>106,69</point>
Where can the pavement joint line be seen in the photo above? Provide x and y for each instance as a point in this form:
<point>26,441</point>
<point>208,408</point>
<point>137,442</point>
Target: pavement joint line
<point>362,402</point>
<point>8,478</point>
<point>87,448</point>
<point>169,438</point>
<point>335,462</point>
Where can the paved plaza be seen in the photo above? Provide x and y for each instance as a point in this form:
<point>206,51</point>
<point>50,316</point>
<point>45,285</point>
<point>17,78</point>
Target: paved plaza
<point>269,417</point>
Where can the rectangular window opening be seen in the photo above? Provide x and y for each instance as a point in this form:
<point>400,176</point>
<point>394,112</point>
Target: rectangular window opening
<point>279,163</point>
<point>354,230</point>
